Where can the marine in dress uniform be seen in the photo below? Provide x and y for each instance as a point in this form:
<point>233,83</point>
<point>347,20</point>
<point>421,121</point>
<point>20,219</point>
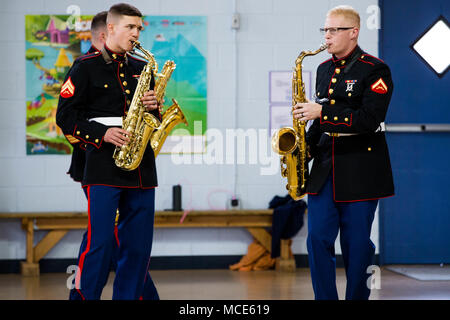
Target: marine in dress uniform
<point>76,170</point>
<point>97,92</point>
<point>351,169</point>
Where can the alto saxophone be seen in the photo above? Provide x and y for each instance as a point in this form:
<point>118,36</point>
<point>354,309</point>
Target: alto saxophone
<point>290,143</point>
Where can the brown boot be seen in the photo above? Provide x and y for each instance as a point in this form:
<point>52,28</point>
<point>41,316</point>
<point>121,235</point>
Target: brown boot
<point>264,263</point>
<point>254,252</point>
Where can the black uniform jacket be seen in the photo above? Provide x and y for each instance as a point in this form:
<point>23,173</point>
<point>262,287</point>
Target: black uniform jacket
<point>358,88</point>
<point>76,169</point>
<point>102,84</point>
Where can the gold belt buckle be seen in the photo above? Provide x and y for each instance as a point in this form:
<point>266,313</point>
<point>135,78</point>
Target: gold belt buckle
<point>334,134</point>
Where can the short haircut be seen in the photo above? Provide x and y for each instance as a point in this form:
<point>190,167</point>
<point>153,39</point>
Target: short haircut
<point>348,12</point>
<point>123,9</point>
<point>99,21</point>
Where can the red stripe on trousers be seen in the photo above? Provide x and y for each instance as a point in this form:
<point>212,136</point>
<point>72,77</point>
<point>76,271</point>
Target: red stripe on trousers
<point>88,246</point>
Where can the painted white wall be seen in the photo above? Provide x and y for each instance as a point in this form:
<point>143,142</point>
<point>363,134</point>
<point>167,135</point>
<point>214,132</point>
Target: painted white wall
<point>272,34</point>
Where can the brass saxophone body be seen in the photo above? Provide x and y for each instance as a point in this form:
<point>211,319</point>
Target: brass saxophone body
<point>172,116</point>
<point>138,122</point>
<point>144,126</point>
<point>290,143</point>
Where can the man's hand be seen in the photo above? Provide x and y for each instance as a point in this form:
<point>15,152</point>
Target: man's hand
<point>149,100</point>
<point>117,136</point>
<point>307,111</point>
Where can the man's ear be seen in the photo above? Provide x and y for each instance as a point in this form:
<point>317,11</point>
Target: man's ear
<point>355,33</point>
<point>102,36</point>
<point>110,28</point>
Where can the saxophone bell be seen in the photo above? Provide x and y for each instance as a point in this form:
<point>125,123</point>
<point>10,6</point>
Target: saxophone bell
<point>284,140</point>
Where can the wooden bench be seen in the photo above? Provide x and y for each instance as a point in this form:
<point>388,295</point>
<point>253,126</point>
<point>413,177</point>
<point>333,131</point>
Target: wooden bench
<point>59,223</point>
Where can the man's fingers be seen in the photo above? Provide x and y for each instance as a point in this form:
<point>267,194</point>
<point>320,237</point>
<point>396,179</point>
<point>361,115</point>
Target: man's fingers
<point>120,141</point>
<point>149,93</point>
<point>123,132</point>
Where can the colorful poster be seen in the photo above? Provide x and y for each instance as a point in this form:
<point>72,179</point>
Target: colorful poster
<point>53,42</point>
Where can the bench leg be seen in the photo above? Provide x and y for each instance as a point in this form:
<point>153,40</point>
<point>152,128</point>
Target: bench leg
<point>262,236</point>
<point>30,267</point>
<point>286,261</point>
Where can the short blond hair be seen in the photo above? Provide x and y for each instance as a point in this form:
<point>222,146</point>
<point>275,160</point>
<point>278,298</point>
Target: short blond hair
<point>348,12</point>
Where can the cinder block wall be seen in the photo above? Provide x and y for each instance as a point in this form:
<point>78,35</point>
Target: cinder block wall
<point>271,35</point>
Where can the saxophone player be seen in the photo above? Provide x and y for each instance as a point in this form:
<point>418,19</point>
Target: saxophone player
<point>95,95</point>
<point>351,169</point>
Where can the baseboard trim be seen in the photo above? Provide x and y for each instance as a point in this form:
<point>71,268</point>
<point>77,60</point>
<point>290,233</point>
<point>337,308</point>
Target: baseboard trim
<point>161,263</point>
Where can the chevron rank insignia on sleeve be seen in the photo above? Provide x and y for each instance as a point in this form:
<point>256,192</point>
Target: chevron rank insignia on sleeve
<point>67,89</point>
<point>379,86</point>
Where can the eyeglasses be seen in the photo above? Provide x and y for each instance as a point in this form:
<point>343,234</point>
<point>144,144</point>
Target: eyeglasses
<point>333,31</point>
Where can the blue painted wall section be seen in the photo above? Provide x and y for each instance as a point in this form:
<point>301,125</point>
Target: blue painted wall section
<point>415,224</point>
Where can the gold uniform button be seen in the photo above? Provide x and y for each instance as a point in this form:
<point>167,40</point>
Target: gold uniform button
<point>362,57</point>
<point>96,140</point>
<point>325,118</point>
<point>122,75</point>
<point>343,62</point>
<point>334,80</point>
<point>330,91</point>
<point>114,56</point>
<point>369,149</point>
<point>127,91</point>
<point>121,65</point>
<point>335,118</point>
<point>318,93</point>
<point>128,102</point>
<point>87,137</point>
<point>125,83</point>
<point>349,94</point>
<point>346,119</point>
<point>333,101</point>
<point>78,132</point>
<point>106,86</point>
<point>337,70</point>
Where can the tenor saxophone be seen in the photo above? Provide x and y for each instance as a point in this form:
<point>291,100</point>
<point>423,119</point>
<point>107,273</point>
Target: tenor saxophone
<point>290,143</point>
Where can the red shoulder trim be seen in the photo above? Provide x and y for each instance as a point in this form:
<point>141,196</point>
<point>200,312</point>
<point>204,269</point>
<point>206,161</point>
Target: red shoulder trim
<point>366,62</point>
<point>88,56</point>
<point>365,54</point>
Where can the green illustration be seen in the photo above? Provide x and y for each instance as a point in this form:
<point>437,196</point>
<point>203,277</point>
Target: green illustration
<point>53,42</point>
